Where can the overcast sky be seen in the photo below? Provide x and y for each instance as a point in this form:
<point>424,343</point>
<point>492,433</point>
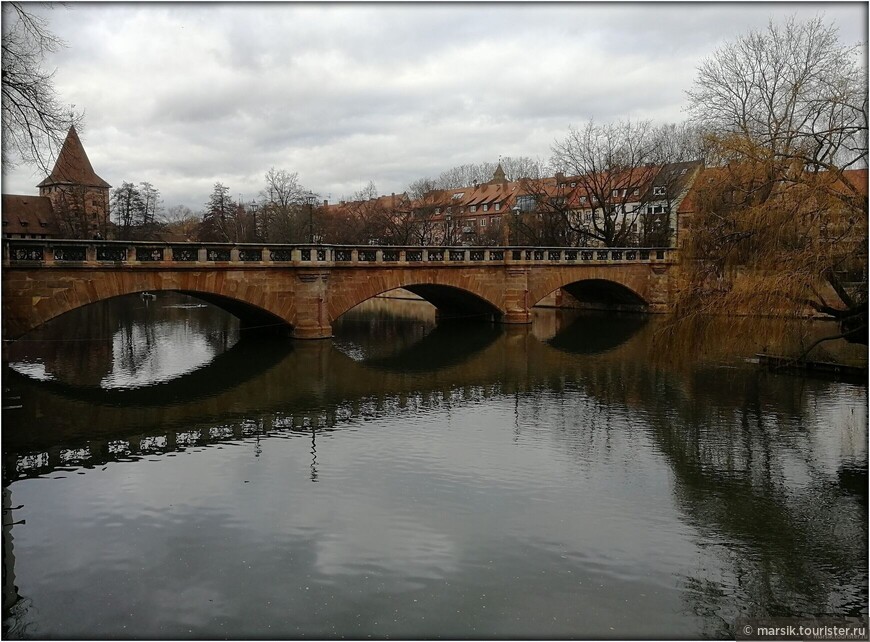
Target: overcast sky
<point>186,95</point>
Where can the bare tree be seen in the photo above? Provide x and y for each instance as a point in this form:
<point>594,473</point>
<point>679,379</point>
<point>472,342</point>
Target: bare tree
<point>35,122</point>
<point>181,222</point>
<point>151,203</point>
<point>792,92</point>
<point>781,225</point>
<point>613,167</point>
<point>127,208</point>
<point>281,209</point>
<point>478,173</point>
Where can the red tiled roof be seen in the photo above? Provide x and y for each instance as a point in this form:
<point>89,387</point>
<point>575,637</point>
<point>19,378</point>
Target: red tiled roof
<point>28,215</point>
<point>73,166</point>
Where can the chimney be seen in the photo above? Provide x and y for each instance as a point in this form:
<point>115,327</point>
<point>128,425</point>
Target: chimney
<point>325,202</point>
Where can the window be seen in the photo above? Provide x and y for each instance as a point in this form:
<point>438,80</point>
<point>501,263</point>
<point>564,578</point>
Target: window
<point>624,191</point>
<point>483,222</point>
<point>616,192</point>
<point>437,210</point>
<point>659,190</point>
<point>636,191</point>
<point>457,196</point>
<point>473,208</point>
<point>582,199</point>
<point>526,203</point>
<point>493,220</point>
<point>485,207</point>
<point>497,207</point>
<point>574,185</point>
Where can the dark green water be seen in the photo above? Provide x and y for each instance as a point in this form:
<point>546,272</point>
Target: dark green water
<point>163,478</point>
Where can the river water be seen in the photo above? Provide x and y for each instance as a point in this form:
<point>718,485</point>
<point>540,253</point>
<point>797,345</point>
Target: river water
<point>165,477</point>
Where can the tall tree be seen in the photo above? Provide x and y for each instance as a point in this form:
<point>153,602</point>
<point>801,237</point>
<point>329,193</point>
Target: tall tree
<point>782,224</point>
<point>151,203</point>
<point>613,166</point>
<point>790,93</point>
<point>218,218</point>
<point>127,209</point>
<point>283,202</point>
<point>35,122</point>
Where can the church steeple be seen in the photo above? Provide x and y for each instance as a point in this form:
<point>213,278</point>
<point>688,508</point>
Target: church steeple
<point>72,166</point>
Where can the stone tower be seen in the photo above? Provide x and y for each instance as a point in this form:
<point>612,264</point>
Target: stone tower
<point>79,198</point>
<point>498,176</point>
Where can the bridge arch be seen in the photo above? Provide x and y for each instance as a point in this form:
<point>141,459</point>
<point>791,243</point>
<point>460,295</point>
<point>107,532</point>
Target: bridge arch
<point>451,294</point>
<point>628,290</point>
<point>250,305</point>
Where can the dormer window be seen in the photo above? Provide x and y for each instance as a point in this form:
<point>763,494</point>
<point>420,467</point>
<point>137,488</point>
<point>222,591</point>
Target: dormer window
<point>615,192</point>
<point>659,190</point>
<point>573,184</point>
<point>485,207</point>
<point>636,191</point>
<point>497,207</point>
<point>473,208</point>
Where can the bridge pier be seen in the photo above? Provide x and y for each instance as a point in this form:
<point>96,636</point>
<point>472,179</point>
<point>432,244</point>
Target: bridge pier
<point>517,303</point>
<point>312,332</point>
<point>516,317</point>
<point>312,305</point>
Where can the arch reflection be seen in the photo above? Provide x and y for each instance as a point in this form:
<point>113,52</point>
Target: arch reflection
<point>588,332</point>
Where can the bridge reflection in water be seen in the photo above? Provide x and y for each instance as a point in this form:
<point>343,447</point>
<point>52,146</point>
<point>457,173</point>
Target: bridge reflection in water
<point>733,440</point>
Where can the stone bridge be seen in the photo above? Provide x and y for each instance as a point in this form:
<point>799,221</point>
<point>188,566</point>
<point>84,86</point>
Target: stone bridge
<point>307,287</point>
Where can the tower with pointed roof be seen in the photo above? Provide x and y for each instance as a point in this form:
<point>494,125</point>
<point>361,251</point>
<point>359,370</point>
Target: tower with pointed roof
<point>498,176</point>
<point>79,197</point>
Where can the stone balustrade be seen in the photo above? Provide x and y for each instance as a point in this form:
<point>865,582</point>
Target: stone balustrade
<point>150,254</point>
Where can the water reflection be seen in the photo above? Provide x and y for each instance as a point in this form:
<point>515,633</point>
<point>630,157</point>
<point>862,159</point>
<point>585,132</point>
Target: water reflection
<point>593,333</point>
<point>125,342</point>
<point>469,481</point>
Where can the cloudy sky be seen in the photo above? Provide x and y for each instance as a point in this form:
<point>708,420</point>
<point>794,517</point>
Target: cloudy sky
<point>186,95</point>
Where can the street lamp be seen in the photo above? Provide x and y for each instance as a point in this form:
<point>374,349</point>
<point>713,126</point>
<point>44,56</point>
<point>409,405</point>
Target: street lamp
<point>310,201</point>
<point>516,210</point>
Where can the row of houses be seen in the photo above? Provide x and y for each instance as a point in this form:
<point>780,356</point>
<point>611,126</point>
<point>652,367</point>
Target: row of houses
<point>630,206</point>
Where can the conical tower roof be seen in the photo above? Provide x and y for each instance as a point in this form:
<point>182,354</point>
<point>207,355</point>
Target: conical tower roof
<point>73,166</point>
<point>498,176</point>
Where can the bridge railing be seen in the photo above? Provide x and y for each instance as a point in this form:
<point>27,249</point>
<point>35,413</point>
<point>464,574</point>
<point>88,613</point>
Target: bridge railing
<point>151,254</point>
